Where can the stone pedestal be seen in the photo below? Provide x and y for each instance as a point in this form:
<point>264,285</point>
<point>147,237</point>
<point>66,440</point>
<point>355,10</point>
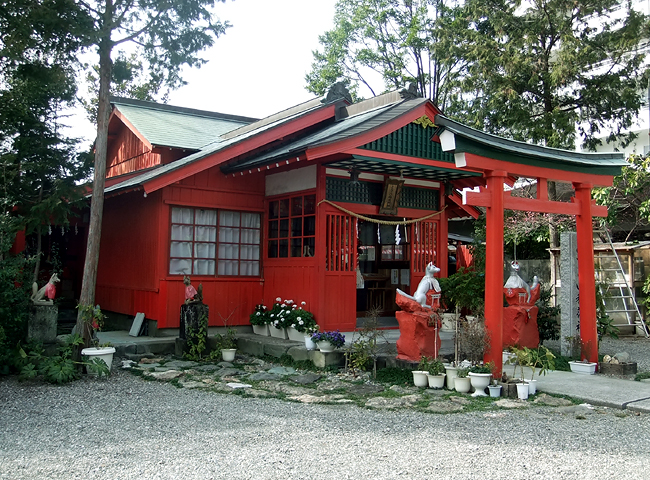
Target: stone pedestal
<point>416,338</point>
<point>568,292</point>
<point>42,323</point>
<point>520,326</point>
<point>193,317</point>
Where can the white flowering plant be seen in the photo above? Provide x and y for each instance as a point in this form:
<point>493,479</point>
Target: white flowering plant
<point>260,315</point>
<point>279,314</point>
<point>302,320</point>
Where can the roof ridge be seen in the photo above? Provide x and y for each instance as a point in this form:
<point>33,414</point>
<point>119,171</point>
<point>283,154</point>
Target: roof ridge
<point>181,110</point>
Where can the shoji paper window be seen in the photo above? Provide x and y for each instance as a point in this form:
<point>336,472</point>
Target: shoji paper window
<point>205,242</point>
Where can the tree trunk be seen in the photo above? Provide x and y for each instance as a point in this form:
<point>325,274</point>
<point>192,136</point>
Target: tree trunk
<point>89,280</point>
<point>37,267</point>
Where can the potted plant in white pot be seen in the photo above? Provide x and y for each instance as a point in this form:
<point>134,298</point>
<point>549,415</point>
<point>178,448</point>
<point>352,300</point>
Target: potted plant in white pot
<point>98,358</point>
<point>436,375</point>
<point>420,378</point>
<point>260,320</point>
<point>227,344</point>
<point>480,376</point>
<point>327,342</point>
<point>301,322</point>
<point>462,382</point>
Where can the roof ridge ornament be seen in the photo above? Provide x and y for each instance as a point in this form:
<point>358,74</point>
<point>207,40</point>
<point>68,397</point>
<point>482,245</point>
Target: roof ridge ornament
<point>410,91</point>
<point>424,122</point>
<point>337,91</point>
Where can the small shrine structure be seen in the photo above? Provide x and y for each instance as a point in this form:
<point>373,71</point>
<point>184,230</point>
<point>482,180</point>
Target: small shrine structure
<point>330,202</point>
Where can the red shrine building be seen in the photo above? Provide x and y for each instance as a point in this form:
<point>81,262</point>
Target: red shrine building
<point>330,202</point>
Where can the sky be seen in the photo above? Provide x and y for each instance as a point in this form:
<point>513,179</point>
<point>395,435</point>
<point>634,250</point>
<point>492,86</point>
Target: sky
<point>258,67</point>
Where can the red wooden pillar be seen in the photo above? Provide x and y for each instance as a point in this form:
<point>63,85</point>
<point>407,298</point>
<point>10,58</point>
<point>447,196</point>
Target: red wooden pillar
<point>586,274</point>
<point>494,269</point>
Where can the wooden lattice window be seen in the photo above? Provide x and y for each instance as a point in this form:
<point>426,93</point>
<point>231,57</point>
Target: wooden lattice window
<point>340,243</point>
<point>424,240</point>
<point>209,242</point>
<point>292,227</point>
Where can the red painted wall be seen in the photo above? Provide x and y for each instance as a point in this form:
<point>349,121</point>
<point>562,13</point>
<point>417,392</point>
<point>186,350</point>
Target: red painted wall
<point>127,153</point>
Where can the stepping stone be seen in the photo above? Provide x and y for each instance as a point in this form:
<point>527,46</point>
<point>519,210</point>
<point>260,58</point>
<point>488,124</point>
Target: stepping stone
<point>148,366</point>
<point>194,384</point>
<point>583,409</point>
<point>208,368</point>
<point>227,372</point>
<point>306,378</point>
<point>237,385</point>
<point>261,376</point>
<point>459,400</point>
<point>444,407</point>
<point>166,375</point>
<point>282,370</point>
<point>508,403</point>
<point>365,389</point>
<point>181,364</point>
<point>545,399</point>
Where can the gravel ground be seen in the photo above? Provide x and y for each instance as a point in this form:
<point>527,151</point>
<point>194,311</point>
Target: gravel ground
<point>127,428</point>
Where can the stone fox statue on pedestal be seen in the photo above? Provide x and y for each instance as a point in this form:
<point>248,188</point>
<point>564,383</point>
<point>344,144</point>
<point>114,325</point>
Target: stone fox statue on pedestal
<point>515,281</point>
<point>427,283</point>
<point>49,291</point>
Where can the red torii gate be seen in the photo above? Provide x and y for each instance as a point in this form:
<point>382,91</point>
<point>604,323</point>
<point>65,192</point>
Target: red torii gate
<point>500,159</point>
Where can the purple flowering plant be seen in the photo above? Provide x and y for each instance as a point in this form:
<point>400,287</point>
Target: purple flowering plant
<point>336,338</point>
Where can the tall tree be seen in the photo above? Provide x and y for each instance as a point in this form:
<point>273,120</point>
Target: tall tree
<point>393,39</point>
<point>540,70</point>
<point>167,36</point>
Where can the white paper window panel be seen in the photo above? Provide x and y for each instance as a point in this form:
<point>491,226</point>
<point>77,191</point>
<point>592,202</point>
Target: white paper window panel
<point>228,252</point>
<point>203,267</point>
<point>229,235</point>
<point>181,232</point>
<point>206,234</point>
<point>204,250</point>
<point>206,217</point>
<point>250,236</point>
<point>182,215</point>
<point>228,267</point>
<point>250,252</point>
<point>180,249</point>
<point>229,219</point>
<point>249,268</point>
<point>180,266</point>
<point>250,220</point>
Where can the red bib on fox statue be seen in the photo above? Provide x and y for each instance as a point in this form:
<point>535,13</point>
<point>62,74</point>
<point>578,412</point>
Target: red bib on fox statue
<point>419,320</point>
<point>520,316</point>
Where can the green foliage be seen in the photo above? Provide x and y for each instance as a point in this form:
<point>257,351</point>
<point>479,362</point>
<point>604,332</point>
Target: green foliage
<point>484,368</point>
<point>260,315</point>
<point>226,341</point>
<point>604,324</point>
<point>434,366</point>
<point>357,356</point>
<point>197,341</point>
<point>547,316</point>
<point>541,358</point>
<point>535,70</point>
<point>61,368</point>
<point>394,376</point>
<point>464,289</point>
<point>396,39</point>
<point>462,372</point>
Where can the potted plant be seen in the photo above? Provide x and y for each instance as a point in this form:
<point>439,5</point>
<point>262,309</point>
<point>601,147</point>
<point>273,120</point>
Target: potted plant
<point>260,320</point>
<point>522,358</point>
<point>462,382</point>
<point>100,357</point>
<point>309,343</point>
<point>420,378</point>
<point>584,366</point>
<point>436,375</point>
<point>495,389</point>
<point>300,322</point>
<point>328,341</point>
<point>227,344</point>
<point>279,318</point>
<point>543,359</point>
<point>480,376</point>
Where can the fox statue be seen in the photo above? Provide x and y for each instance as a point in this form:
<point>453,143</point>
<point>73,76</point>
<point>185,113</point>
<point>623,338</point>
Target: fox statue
<point>427,283</point>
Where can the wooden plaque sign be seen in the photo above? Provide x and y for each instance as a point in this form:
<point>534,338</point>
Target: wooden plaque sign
<point>390,199</point>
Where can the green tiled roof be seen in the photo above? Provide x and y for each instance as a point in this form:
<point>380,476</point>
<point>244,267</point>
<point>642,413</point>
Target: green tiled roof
<point>168,126</point>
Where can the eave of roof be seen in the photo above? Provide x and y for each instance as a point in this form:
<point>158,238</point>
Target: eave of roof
<point>470,140</point>
<point>219,146</point>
